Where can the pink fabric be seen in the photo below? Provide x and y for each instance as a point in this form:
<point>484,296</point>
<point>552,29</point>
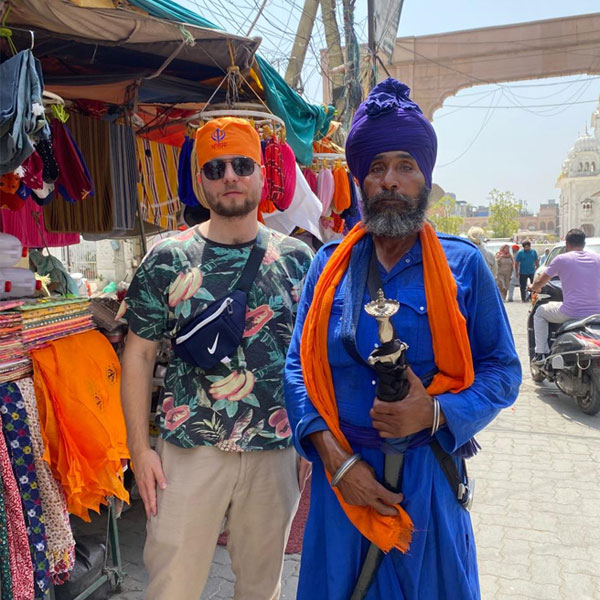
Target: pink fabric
<point>325,187</point>
<point>21,567</point>
<point>311,179</point>
<point>22,225</point>
<point>289,176</point>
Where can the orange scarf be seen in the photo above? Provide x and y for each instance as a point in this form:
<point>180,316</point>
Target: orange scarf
<point>451,350</point>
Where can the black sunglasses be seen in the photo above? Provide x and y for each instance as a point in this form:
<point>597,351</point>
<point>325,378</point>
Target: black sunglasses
<point>215,169</point>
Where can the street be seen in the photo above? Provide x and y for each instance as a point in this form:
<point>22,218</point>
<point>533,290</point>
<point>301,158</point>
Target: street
<point>536,512</point>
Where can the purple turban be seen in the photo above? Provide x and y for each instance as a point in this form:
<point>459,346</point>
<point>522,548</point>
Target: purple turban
<point>389,120</point>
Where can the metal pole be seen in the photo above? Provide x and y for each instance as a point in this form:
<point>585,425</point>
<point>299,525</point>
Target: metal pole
<point>371,43</point>
<point>305,27</point>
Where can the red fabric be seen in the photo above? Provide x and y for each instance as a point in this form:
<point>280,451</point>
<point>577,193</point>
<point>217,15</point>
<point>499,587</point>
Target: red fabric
<point>72,174</point>
<point>311,178</point>
<point>289,176</point>
<point>274,171</point>
<point>33,168</point>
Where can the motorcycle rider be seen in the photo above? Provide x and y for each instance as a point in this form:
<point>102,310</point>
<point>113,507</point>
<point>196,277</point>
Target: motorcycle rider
<point>579,273</point>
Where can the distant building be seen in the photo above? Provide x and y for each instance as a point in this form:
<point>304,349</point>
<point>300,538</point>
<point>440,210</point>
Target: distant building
<point>545,222</point>
<point>579,183</point>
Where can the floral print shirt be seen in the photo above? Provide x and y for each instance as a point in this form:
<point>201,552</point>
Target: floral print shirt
<point>236,406</point>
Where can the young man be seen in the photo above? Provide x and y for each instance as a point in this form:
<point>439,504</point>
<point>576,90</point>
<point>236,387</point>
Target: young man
<point>526,262</point>
<point>225,448</point>
<point>464,369</point>
<point>579,273</point>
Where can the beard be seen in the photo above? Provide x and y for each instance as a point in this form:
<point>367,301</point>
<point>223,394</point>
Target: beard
<point>233,207</point>
<point>394,215</point>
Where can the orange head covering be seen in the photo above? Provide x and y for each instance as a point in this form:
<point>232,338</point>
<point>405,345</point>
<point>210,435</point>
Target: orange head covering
<point>227,136</point>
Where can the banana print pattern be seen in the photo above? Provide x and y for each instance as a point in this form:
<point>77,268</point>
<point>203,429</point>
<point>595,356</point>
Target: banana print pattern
<point>236,406</point>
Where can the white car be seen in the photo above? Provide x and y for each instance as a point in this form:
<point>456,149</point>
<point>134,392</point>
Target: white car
<point>592,244</point>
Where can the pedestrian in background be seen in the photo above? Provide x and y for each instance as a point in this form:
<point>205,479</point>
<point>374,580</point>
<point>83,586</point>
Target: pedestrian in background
<point>526,262</point>
<point>506,265</point>
<point>513,278</point>
<point>477,236</point>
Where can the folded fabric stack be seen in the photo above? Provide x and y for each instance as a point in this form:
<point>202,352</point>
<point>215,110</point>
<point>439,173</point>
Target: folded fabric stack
<point>48,320</point>
<point>14,360</point>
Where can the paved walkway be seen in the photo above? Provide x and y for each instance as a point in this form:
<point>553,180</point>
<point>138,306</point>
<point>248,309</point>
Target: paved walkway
<point>536,511</point>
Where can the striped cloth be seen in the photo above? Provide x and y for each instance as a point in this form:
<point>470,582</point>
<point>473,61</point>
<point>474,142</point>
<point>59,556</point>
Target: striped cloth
<point>157,187</point>
<point>124,175</point>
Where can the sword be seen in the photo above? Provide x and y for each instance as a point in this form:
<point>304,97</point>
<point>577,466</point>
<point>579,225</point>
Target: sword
<point>389,361</point>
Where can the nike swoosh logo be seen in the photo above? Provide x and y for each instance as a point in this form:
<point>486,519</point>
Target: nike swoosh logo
<point>212,349</point>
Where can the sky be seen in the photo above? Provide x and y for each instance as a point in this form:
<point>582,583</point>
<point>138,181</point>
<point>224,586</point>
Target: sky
<point>480,148</point>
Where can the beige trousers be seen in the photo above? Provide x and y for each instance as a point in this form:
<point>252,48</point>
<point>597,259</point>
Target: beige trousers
<point>257,492</point>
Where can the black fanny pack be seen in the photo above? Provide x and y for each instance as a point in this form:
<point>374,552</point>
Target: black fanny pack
<point>216,333</point>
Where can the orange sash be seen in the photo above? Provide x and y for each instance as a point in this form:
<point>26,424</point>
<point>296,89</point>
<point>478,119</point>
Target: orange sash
<point>451,350</point>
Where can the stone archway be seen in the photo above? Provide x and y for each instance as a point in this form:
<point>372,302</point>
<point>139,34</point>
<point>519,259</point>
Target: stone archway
<point>588,229</point>
<point>438,66</point>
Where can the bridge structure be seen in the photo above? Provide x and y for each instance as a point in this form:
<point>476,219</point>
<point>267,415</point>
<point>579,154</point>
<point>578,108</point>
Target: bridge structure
<point>436,67</point>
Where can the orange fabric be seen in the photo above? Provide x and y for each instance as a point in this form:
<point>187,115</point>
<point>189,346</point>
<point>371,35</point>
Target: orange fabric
<point>451,350</point>
<point>341,190</point>
<point>227,136</point>
<point>77,386</point>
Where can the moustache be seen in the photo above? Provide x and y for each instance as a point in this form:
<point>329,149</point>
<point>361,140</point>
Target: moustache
<point>401,200</point>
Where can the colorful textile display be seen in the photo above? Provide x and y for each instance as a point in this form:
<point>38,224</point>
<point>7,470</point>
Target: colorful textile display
<point>49,319</point>
<point>304,211</point>
<point>60,541</point>
<point>14,360</point>
<point>21,567</point>
<point>94,213</point>
<point>21,110</point>
<point>15,426</point>
<point>77,381</point>
<point>157,187</point>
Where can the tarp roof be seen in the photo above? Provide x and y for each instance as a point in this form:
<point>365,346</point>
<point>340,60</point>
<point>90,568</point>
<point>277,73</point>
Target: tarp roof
<point>106,45</point>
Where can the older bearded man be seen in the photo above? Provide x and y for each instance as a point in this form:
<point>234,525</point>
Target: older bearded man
<point>464,369</point>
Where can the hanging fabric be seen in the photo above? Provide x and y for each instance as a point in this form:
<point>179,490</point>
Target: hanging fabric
<point>94,214</point>
<point>21,109</point>
<point>311,178</point>
<point>325,186</point>
<point>21,567</point>
<point>185,186</point>
<point>274,171</point>
<point>341,190</point>
<point>123,175</point>
<point>77,381</point>
<point>23,224</point>
<point>15,426</point>
<point>61,544</point>
<point>157,187</point>
<point>288,160</point>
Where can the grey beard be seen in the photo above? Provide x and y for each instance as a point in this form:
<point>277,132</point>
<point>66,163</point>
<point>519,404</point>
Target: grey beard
<point>405,217</point>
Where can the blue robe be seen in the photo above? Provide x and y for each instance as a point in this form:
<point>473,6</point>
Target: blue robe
<point>441,562</point>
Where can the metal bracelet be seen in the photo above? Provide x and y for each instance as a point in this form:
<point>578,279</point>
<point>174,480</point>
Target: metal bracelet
<point>436,416</point>
<point>346,466</point>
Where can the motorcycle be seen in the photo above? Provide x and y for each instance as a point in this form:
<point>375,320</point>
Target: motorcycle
<point>574,360</point>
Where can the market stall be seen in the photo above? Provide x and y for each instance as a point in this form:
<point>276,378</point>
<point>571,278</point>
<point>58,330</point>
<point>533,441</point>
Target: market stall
<point>96,139</point>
